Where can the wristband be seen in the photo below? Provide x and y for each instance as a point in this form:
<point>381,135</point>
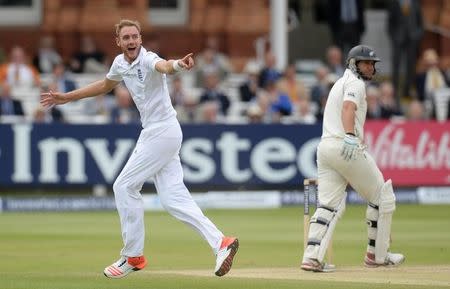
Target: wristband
<point>176,66</point>
<point>350,133</point>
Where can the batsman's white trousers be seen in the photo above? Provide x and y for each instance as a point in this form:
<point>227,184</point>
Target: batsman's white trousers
<point>156,156</point>
<point>334,173</point>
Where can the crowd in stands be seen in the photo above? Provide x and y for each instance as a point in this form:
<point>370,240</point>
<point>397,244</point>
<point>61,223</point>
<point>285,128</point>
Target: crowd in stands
<point>213,93</point>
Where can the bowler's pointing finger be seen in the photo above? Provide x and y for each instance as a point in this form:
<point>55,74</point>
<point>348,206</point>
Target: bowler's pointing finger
<point>188,56</point>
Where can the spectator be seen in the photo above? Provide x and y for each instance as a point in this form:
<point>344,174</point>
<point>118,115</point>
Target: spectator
<point>320,89</point>
<point>429,81</point>
<point>346,22</point>
<point>293,87</point>
<point>9,106</point>
<point>100,107</point>
<point>47,56</point>
<point>304,113</point>
<point>124,111</point>
<point>416,111</point>
<point>321,109</point>
<point>89,59</point>
<point>334,61</point>
<point>57,115</point>
<point>212,93</point>
<point>59,77</point>
<point>255,114</point>
<point>249,89</point>
<point>263,103</point>
<point>269,73</point>
<point>388,106</point>
<point>209,112</point>
<point>279,104</point>
<point>373,105</point>
<point>184,104</point>
<point>211,60</point>
<point>327,80</point>
<point>17,72</point>
<point>41,116</point>
<point>405,30</point>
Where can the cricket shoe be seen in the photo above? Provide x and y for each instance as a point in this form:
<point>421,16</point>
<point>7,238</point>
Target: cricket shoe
<point>225,255</point>
<point>124,266</point>
<point>392,260</point>
<point>315,266</point>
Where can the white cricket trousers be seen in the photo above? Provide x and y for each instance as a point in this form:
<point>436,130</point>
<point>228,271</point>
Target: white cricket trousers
<point>156,156</point>
<point>334,173</point>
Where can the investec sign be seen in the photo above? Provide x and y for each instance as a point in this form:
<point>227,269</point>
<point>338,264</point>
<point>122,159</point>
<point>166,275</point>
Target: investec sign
<point>211,155</point>
<point>411,154</point>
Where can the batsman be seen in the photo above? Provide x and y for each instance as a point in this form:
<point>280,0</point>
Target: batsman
<point>342,159</point>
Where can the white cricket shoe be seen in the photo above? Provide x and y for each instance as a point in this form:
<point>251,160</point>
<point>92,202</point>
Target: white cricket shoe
<point>225,255</point>
<point>392,260</point>
<point>125,266</point>
<point>314,265</point>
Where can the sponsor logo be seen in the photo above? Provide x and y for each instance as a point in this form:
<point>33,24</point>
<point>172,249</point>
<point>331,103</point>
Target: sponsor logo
<point>272,160</point>
<point>391,149</point>
<point>411,154</point>
<point>408,153</point>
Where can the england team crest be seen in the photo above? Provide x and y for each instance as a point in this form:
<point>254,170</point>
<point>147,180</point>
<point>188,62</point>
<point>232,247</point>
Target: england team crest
<point>139,74</point>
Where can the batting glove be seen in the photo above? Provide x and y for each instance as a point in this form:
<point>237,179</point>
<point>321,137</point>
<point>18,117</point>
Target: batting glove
<point>351,144</point>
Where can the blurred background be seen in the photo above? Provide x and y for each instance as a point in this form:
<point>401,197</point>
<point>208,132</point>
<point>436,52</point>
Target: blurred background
<point>251,109</point>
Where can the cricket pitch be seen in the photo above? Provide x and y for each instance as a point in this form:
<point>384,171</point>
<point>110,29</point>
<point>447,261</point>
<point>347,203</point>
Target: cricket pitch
<point>402,275</point>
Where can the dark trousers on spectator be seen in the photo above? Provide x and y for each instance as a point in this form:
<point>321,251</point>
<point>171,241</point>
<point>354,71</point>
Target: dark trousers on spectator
<point>403,53</point>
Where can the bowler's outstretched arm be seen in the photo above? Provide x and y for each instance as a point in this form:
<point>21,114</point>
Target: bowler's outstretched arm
<point>52,98</point>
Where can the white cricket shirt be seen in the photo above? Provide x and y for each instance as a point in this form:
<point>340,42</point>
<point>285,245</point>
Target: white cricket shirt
<point>348,87</point>
<point>147,86</point>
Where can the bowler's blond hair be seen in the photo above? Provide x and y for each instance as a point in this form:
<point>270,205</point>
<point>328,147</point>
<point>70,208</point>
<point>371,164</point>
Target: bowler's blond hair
<point>126,22</point>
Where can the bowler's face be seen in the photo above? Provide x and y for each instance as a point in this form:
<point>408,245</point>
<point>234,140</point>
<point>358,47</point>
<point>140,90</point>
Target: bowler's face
<point>129,41</point>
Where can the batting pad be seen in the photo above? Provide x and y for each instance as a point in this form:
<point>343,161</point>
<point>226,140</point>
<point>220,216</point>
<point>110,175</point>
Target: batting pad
<point>372,224</point>
<point>321,230</point>
<point>386,209</point>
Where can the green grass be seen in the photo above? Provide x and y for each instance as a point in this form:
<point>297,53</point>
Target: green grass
<point>70,250</point>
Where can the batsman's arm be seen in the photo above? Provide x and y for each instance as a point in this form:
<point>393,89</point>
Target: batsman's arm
<point>51,98</point>
<point>348,116</point>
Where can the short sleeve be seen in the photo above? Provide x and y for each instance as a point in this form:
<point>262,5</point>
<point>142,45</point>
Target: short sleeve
<point>151,59</point>
<point>113,73</point>
<point>354,92</point>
